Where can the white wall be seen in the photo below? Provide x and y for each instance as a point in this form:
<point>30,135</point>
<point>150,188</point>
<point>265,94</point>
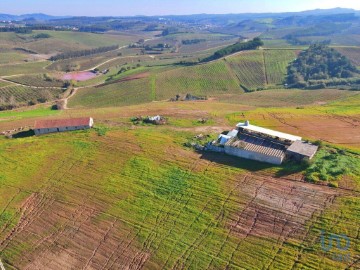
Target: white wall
<point>60,129</point>
<point>234,151</point>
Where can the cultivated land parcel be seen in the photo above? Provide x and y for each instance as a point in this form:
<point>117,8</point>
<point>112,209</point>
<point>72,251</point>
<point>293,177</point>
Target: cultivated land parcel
<point>125,196</point>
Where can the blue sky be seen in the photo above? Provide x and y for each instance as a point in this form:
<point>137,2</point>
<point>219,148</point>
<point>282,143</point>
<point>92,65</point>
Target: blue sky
<point>164,7</point>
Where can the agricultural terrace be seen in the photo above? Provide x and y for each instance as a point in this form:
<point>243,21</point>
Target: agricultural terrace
<point>24,94</point>
<point>64,41</point>
<point>204,80</point>
<point>261,69</point>
<point>40,80</point>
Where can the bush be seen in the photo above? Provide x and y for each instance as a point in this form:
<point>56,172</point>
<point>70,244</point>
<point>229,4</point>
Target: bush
<point>333,184</point>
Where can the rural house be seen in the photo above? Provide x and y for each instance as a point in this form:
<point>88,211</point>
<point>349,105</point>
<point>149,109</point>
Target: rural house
<point>261,144</point>
<point>60,125</point>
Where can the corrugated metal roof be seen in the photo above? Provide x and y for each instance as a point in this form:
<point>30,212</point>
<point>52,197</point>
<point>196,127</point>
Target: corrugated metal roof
<point>303,148</point>
<point>270,132</point>
<point>257,144</point>
<point>55,123</point>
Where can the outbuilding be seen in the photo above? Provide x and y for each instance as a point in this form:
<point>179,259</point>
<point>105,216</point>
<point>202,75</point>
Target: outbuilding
<point>300,150</point>
<point>61,125</point>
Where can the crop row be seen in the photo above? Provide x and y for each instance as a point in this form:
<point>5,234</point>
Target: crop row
<point>249,69</point>
<point>23,94</point>
<point>38,81</point>
<point>205,79</point>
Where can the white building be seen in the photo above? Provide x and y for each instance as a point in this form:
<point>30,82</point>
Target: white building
<point>262,144</point>
<point>60,125</point>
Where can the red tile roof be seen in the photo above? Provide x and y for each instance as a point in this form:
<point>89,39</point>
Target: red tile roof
<point>72,122</point>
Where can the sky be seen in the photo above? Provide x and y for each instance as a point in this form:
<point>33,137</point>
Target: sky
<point>164,7</point>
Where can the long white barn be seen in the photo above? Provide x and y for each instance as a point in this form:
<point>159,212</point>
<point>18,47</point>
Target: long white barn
<point>61,125</point>
<point>262,144</point>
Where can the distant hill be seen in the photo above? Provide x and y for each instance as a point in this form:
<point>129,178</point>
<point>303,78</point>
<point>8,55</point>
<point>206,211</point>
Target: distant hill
<point>34,16</point>
<point>320,67</point>
<point>211,18</point>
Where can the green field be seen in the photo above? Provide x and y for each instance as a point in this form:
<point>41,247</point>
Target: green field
<point>261,69</point>
<point>11,57</point>
<point>276,63</point>
<point>20,69</point>
<point>121,94</point>
<point>249,69</point>
<point>184,211</point>
<point>288,97</point>
<point>204,80</point>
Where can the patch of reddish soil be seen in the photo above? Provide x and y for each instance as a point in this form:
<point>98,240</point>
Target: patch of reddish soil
<point>129,78</point>
<point>330,128</point>
<point>78,76</point>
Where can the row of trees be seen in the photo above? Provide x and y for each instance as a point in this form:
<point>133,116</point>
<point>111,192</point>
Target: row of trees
<point>237,47</point>
<point>68,55</point>
<point>192,41</point>
<point>29,28</point>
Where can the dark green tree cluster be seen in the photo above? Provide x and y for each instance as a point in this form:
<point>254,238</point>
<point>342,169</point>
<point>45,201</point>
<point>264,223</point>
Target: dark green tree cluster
<point>41,35</point>
<point>81,53</point>
<point>320,66</point>
<point>192,41</point>
<point>237,47</point>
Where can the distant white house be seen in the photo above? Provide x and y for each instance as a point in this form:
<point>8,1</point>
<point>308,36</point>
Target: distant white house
<point>61,125</point>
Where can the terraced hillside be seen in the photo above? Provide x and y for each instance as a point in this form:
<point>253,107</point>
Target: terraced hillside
<point>205,80</point>
<point>261,69</point>
<point>12,94</point>
<point>134,91</point>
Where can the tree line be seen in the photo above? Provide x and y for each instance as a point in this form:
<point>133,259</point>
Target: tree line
<point>237,47</point>
<point>74,54</point>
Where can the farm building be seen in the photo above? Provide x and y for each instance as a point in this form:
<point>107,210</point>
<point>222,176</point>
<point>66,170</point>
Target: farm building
<point>300,150</point>
<point>60,125</point>
<point>261,144</point>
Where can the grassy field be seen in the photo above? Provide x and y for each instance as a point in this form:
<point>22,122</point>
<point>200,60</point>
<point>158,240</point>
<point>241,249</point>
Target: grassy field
<point>11,57</point>
<point>159,205</point>
<point>20,69</point>
<point>288,97</point>
<point>121,94</point>
<point>62,41</point>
